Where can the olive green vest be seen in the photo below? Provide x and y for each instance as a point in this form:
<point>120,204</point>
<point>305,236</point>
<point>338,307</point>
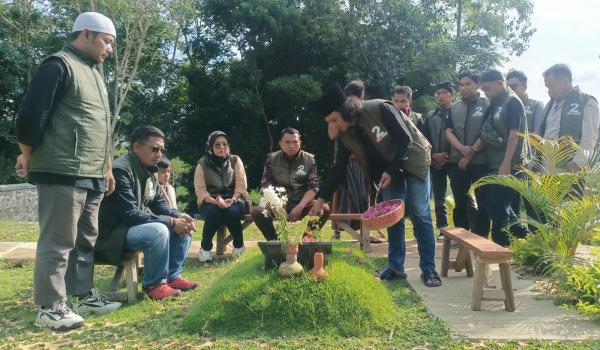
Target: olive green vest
<point>77,139</point>
<point>292,174</point>
<point>467,119</point>
<point>531,108</point>
<point>571,118</point>
<point>371,122</point>
<point>112,230</point>
<point>417,119</point>
<point>494,132</point>
<point>219,181</point>
<point>435,123</point>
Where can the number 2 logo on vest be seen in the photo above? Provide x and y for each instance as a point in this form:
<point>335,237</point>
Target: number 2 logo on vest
<point>379,135</point>
<point>574,110</point>
<point>300,171</point>
<point>478,112</point>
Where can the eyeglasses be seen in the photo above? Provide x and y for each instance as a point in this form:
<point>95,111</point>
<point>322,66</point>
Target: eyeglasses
<point>223,145</point>
<point>156,149</point>
<point>514,86</point>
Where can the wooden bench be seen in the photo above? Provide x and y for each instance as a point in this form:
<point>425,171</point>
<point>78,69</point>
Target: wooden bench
<point>130,264</point>
<point>363,237</point>
<point>486,252</point>
<point>223,239</point>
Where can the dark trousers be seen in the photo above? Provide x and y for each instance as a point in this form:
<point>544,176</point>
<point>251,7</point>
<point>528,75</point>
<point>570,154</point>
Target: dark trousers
<point>439,184</point>
<point>467,214</point>
<point>265,223</point>
<point>215,217</point>
<point>502,214</point>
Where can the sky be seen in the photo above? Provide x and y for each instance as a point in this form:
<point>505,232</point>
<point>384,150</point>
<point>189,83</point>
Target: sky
<point>567,32</point>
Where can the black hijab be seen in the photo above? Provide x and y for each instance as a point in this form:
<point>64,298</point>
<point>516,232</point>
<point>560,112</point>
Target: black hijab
<point>210,147</point>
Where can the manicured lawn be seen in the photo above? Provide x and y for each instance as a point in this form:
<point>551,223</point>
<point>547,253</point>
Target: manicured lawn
<point>150,324</point>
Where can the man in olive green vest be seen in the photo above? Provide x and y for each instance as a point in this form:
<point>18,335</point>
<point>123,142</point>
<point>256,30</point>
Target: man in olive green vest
<point>504,120</point>
<point>296,171</point>
<point>64,134</point>
<point>402,99</point>
<point>390,148</point>
<point>468,163</point>
<point>434,131</point>
<point>570,112</point>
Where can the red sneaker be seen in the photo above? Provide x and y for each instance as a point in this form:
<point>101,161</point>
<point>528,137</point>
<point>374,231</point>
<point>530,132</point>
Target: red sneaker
<point>182,284</point>
<point>161,291</point>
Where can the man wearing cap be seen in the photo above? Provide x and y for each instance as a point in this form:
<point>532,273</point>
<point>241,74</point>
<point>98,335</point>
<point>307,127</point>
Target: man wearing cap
<point>63,129</point>
<point>391,149</point>
<point>505,118</point>
<point>570,112</point>
<point>434,131</point>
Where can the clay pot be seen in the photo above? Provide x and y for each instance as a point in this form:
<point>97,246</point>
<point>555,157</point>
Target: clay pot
<point>291,267</point>
<point>318,272</point>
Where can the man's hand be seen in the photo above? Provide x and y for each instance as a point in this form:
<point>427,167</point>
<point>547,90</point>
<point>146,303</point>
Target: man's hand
<point>317,207</point>
<point>572,167</point>
<point>467,151</point>
<point>386,180</point>
<point>439,159</point>
<point>295,213</point>
<point>22,165</point>
<point>463,163</point>
<point>504,169</point>
<point>110,183</point>
<point>182,227</point>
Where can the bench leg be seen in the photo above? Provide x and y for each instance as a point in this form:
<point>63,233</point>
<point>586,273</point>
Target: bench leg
<point>131,281</point>
<point>469,265</point>
<point>115,284</point>
<point>509,302</point>
<point>461,257</point>
<point>221,240</point>
<point>366,238</point>
<point>445,257</point>
<point>478,282</point>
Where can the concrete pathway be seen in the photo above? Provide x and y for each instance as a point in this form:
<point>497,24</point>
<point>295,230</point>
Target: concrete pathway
<point>536,316</point>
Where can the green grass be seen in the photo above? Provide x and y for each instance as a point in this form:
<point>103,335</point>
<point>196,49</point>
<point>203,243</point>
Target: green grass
<point>150,325</point>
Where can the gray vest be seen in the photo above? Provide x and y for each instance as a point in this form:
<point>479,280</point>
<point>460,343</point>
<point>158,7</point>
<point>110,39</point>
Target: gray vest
<point>571,118</point>
<point>371,122</point>
<point>531,108</point>
<point>77,139</point>
<point>494,132</point>
<point>292,174</point>
<point>467,120</point>
<point>220,181</point>
<point>435,123</point>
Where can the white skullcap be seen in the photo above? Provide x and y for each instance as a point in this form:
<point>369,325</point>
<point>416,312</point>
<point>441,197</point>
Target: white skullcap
<point>95,22</point>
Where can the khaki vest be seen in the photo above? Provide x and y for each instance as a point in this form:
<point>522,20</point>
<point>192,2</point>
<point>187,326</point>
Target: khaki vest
<point>77,139</point>
<point>371,122</point>
<point>435,122</point>
<point>292,174</point>
<point>571,118</point>
<point>494,133</point>
<point>467,120</point>
<point>219,181</point>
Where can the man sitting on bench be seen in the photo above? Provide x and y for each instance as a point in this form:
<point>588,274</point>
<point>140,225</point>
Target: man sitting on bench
<point>296,171</point>
<point>136,217</point>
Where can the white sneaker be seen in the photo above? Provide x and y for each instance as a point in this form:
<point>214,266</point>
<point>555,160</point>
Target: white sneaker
<point>96,304</point>
<point>205,256</point>
<point>238,251</point>
<point>58,317</point>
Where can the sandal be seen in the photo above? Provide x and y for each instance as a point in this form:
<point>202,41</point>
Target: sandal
<point>390,273</point>
<point>431,279</point>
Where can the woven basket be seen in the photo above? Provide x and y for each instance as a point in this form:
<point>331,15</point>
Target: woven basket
<point>386,220</point>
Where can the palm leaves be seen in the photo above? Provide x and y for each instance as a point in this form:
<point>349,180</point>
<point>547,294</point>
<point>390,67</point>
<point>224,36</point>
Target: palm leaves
<point>567,205</point>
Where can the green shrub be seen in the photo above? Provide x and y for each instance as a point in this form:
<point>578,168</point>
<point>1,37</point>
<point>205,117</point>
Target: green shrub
<point>581,285</point>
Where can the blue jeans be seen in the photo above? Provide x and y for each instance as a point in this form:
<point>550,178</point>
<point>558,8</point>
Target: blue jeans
<point>415,194</point>
<point>164,251</point>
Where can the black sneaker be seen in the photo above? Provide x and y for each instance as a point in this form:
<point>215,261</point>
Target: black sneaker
<point>96,304</point>
<point>58,317</point>
<point>390,273</point>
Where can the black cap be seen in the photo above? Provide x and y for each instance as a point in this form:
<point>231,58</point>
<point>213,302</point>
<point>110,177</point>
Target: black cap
<point>330,100</point>
<point>446,85</point>
<point>492,75</point>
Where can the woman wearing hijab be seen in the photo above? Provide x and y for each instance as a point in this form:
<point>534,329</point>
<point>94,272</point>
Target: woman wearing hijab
<point>220,184</point>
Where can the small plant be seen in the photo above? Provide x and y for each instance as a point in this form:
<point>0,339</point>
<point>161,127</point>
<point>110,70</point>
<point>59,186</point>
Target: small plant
<point>580,283</point>
<point>274,201</point>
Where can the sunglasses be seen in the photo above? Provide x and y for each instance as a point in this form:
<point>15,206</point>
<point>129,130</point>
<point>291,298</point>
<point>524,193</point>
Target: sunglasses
<point>156,149</point>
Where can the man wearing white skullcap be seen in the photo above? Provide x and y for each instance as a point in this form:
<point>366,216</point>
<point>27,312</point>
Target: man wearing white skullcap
<point>64,133</point>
